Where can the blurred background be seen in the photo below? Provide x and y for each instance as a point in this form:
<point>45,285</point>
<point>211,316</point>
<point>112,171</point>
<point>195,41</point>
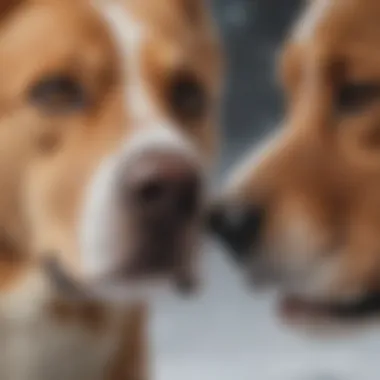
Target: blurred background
<point>252,31</point>
<point>229,333</point>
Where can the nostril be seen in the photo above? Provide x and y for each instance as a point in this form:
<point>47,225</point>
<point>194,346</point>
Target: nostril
<point>171,199</point>
<point>150,192</point>
<point>189,197</point>
<point>163,189</point>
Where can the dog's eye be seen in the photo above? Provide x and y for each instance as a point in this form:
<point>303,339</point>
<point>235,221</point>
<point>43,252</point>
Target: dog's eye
<point>353,97</point>
<point>187,97</point>
<point>58,94</point>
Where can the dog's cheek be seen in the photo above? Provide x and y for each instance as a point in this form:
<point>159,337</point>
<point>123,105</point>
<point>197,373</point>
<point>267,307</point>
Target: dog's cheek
<point>48,142</point>
<point>52,195</point>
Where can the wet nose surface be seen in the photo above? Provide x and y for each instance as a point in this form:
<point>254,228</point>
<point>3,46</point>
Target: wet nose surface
<point>164,187</point>
<point>236,226</point>
<point>163,192</point>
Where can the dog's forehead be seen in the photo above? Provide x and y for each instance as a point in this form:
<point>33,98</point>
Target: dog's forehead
<point>54,35</point>
<point>49,37</point>
<point>159,22</point>
<point>345,32</point>
<point>336,19</point>
<point>93,22</point>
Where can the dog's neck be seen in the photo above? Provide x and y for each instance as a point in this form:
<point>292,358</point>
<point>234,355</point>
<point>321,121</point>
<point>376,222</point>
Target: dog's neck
<point>47,338</point>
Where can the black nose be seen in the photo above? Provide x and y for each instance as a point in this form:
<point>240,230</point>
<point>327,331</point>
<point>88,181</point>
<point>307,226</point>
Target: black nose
<point>165,189</point>
<point>237,226</point>
<point>162,191</point>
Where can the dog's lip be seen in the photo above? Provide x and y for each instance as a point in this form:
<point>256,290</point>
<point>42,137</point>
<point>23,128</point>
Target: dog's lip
<point>69,287</point>
<point>293,308</point>
<point>185,285</point>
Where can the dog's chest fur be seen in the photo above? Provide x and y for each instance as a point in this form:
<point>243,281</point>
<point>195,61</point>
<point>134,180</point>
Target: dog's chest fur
<point>38,343</point>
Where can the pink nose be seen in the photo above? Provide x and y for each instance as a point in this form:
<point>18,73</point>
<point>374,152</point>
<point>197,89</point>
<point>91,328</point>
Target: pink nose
<point>164,188</point>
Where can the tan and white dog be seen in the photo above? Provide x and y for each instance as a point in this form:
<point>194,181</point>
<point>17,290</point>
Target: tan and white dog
<point>303,213</point>
<point>107,128</point>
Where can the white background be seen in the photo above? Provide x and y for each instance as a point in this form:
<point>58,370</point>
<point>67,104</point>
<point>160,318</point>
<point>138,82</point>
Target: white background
<point>229,333</point>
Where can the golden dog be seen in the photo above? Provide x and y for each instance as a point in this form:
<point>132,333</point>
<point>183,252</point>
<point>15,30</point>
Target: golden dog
<point>303,213</point>
<point>107,130</point>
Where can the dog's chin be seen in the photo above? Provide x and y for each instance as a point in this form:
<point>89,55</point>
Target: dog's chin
<point>293,308</point>
<point>129,291</point>
<point>359,311</point>
<point>119,288</point>
<point>142,286</point>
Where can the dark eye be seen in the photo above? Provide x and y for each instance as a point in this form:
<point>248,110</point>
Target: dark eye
<point>58,94</point>
<point>188,98</point>
<point>354,97</point>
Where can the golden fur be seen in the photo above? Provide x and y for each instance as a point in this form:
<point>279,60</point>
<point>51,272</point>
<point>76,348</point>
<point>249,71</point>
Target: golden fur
<point>319,182</point>
<point>47,160</point>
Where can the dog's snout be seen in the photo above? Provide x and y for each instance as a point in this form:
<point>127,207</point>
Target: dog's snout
<point>164,187</point>
<point>237,226</point>
<point>163,191</point>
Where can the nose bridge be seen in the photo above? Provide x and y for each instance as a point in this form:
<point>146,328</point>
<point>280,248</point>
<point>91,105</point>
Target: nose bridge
<point>159,137</point>
<point>163,169</point>
<point>311,108</point>
<point>256,175</point>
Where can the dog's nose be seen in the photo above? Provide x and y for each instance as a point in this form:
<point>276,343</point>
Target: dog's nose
<point>165,189</point>
<point>237,226</point>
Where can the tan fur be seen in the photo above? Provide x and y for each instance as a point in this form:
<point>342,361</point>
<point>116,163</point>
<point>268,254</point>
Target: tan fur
<point>322,179</point>
<point>45,163</point>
